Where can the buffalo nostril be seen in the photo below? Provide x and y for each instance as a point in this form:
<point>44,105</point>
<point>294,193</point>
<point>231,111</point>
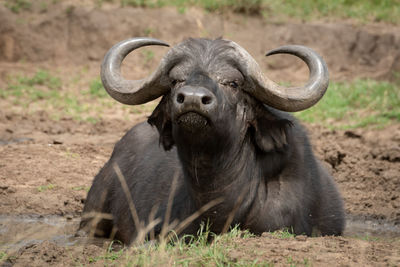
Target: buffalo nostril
<point>206,100</point>
<point>180,98</point>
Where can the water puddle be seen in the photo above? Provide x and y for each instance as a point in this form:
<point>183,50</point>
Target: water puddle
<point>369,227</point>
<point>17,231</point>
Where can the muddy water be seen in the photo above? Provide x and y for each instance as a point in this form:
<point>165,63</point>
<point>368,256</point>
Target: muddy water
<point>369,227</point>
<point>17,231</point>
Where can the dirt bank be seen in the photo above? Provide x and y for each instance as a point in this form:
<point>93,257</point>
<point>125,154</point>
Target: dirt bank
<point>75,33</point>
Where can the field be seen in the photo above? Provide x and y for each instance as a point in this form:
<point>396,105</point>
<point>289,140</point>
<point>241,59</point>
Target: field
<point>58,126</point>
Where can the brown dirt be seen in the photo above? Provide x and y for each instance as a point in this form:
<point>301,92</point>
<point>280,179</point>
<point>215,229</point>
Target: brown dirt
<point>46,165</point>
<point>366,165</point>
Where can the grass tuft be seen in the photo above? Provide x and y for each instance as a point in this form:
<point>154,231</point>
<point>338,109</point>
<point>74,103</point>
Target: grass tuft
<point>283,234</point>
<point>364,11</point>
<point>33,86</point>
<point>241,6</point>
<point>368,10</point>
<point>96,88</point>
<point>356,104</point>
<point>43,188</point>
<point>74,100</point>
<point>203,249</point>
<point>81,188</point>
<point>18,5</point>
<point>44,91</point>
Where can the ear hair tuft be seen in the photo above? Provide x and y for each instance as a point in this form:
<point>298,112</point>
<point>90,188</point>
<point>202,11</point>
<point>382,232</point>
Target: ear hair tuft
<point>271,134</point>
<point>159,118</point>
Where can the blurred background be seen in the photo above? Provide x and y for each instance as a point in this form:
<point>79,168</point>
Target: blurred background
<point>66,39</point>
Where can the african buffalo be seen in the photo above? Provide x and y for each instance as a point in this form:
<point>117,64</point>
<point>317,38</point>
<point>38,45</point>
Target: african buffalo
<point>220,133</point>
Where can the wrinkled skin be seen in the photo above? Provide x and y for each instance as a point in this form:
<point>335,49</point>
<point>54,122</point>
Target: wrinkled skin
<point>224,143</point>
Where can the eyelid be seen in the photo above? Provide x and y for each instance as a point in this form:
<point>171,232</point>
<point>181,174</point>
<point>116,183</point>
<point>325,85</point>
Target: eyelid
<point>233,84</point>
<point>177,81</point>
<point>228,82</point>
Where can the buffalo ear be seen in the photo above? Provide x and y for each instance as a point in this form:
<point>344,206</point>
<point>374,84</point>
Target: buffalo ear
<point>162,121</point>
<point>271,133</point>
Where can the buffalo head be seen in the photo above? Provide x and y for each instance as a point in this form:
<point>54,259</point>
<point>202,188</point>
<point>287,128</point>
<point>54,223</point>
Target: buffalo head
<point>204,82</point>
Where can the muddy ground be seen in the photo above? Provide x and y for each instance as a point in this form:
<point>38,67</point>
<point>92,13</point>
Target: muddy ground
<point>47,164</point>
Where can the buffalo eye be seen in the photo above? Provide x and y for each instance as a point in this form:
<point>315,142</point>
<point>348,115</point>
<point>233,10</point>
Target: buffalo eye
<point>175,82</point>
<point>233,84</point>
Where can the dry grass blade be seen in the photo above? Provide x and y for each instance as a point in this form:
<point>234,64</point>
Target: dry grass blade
<point>152,216</point>
<point>165,227</point>
<point>92,214</point>
<point>141,235</point>
<point>128,196</point>
<point>234,210</point>
<point>182,225</point>
<point>95,218</point>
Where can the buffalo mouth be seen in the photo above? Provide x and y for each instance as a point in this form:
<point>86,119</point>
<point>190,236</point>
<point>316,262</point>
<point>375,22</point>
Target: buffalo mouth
<point>192,121</point>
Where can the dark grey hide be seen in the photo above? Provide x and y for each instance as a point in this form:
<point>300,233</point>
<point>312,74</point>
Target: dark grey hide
<point>220,142</point>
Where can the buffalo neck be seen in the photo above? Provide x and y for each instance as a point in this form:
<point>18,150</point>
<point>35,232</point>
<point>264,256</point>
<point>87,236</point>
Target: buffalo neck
<point>225,172</point>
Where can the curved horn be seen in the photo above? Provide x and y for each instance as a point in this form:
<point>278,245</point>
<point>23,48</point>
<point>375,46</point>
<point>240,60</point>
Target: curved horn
<point>132,92</point>
<point>289,98</point>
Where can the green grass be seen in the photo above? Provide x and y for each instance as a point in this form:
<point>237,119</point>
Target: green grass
<point>61,99</point>
<point>22,85</point>
<point>45,91</point>
<point>244,6</point>
<point>42,85</point>
<point>96,88</point>
<point>204,249</point>
<point>81,188</point>
<point>359,103</point>
<point>368,237</point>
<point>356,104</point>
<point>283,234</point>
<point>18,5</point>
<point>43,188</point>
<point>365,11</point>
<point>148,55</point>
